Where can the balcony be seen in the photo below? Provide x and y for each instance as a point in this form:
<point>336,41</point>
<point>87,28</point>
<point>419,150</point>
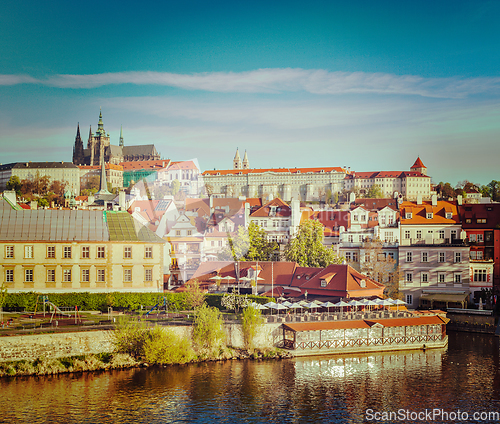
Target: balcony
<point>434,242</point>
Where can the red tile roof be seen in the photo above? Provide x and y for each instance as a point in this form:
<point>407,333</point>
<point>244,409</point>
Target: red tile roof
<point>419,213</point>
<point>418,164</point>
<point>275,170</point>
<point>145,164</point>
<point>282,209</point>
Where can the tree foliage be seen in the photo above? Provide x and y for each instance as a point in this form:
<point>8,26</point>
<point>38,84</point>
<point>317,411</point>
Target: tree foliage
<point>14,184</point>
<point>249,245</point>
<point>208,331</point>
<point>195,296</point>
<point>375,192</point>
<point>251,321</point>
<point>307,248</point>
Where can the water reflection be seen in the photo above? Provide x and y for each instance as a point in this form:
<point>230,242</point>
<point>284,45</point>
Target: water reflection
<point>318,389</point>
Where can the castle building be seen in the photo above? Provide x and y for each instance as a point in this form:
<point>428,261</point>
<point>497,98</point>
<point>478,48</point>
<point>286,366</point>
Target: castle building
<point>99,146</point>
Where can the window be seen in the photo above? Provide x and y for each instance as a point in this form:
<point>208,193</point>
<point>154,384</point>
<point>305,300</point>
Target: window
<point>468,221</point>
<point>409,257</point>
<point>479,255</point>
<point>409,299</point>
<point>425,256</point>
<point>408,215</point>
<point>51,251</point>
<point>190,232</point>
<point>101,275</point>
<point>100,252</point>
<point>441,234</point>
<point>28,252</point>
<point>409,277</point>
<point>127,252</point>
<point>51,275</point>
<point>9,275</point>
<point>28,275</point>
<point>9,252</point>
<point>148,274</point>
<point>453,234</point>
<point>425,277</point>
<point>419,234</point>
<point>348,256</point>
<point>441,278</point>
<point>407,234</point>
<point>355,256</point>
<point>479,275</point>
<point>429,215</point>
<point>458,257</point>
<point>67,275</point>
<point>323,283</point>
<point>472,237</point>
<point>457,278</point>
<point>86,252</point>
<point>127,275</point>
<point>149,252</point>
<point>442,256</point>
<point>85,275</point>
<point>391,220</point>
<point>67,252</point>
<point>448,215</point>
<point>177,232</point>
<point>480,238</point>
<point>481,220</point>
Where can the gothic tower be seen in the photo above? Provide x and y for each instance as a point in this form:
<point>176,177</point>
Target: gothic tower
<point>246,164</point>
<point>98,142</point>
<point>121,136</point>
<point>78,154</point>
<point>237,160</point>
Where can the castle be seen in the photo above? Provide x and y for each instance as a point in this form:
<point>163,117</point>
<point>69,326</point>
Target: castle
<point>99,146</point>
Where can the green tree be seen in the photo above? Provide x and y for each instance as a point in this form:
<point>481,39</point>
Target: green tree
<point>494,190</point>
<point>251,321</point>
<point>14,184</point>
<point>176,186</point>
<point>375,192</point>
<point>307,248</point>
<point>208,331</point>
<point>3,297</point>
<point>249,245</point>
<point>195,296</point>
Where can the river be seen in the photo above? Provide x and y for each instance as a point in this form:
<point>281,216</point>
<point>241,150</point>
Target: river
<point>465,378</point>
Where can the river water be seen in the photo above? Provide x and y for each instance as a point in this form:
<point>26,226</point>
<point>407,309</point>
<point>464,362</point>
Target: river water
<point>465,378</point>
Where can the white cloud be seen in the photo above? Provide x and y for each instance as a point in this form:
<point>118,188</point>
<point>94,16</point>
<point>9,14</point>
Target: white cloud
<point>279,80</point>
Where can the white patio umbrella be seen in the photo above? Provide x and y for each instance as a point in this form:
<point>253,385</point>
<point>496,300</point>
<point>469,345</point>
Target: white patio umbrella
<point>328,305</point>
<point>398,302</point>
<point>385,303</point>
<point>287,303</point>
<point>295,306</point>
<point>355,303</point>
<point>256,305</point>
<point>270,305</point>
<point>303,302</point>
<point>371,303</point>
<point>312,305</point>
<point>341,304</point>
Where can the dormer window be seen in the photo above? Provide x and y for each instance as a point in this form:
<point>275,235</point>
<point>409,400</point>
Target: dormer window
<point>448,215</point>
<point>323,283</point>
<point>362,283</point>
<point>429,215</point>
<point>408,215</point>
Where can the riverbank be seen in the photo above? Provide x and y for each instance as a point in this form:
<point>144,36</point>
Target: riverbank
<point>116,361</point>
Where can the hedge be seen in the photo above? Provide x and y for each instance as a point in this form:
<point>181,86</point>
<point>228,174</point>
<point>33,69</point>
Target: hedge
<point>101,301</point>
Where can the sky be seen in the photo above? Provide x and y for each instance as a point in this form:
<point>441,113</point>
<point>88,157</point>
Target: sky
<point>360,84</point>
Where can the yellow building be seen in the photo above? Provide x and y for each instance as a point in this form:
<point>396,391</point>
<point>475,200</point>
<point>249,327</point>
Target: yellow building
<point>67,250</point>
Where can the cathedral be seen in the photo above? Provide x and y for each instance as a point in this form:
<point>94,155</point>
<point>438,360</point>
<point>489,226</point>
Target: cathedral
<point>99,146</point>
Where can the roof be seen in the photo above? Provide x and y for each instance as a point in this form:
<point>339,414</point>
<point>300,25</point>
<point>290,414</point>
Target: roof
<point>98,167</point>
<point>444,297</point>
<point>281,209</point>
<point>71,225</point>
<point>188,164</point>
<point>348,324</point>
<point>44,165</point>
<point>145,164</point>
<point>419,213</point>
<point>276,170</point>
<point>145,149</point>
<point>489,211</point>
<point>418,164</point>
<point>375,204</point>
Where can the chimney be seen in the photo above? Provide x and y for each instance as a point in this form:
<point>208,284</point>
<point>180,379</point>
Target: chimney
<point>33,205</point>
<point>459,200</point>
<point>122,200</point>
<point>419,199</point>
<point>434,199</point>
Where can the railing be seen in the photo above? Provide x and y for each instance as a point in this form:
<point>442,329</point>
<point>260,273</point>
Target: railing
<point>343,343</point>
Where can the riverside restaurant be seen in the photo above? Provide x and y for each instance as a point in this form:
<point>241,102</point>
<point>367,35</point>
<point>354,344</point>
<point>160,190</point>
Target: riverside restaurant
<point>364,335</point>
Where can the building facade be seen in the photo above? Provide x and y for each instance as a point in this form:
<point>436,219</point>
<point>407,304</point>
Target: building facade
<point>65,172</point>
<point>51,251</point>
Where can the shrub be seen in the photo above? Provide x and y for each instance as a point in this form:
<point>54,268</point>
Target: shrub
<point>194,295</point>
<point>129,337</point>
<point>251,320</point>
<point>208,329</point>
<point>164,346</point>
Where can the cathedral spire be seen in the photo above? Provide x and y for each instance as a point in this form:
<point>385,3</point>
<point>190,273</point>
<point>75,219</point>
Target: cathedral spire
<point>100,125</point>
<point>121,136</point>
<point>78,154</point>
<point>237,160</point>
<point>246,163</point>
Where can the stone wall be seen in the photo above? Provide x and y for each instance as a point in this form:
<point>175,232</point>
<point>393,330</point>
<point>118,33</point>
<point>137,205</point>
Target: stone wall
<point>30,347</point>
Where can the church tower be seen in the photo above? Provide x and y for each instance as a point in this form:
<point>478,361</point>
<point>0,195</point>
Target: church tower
<point>98,142</point>
<point>418,166</point>
<point>78,154</point>
<point>237,160</point>
<point>246,164</point>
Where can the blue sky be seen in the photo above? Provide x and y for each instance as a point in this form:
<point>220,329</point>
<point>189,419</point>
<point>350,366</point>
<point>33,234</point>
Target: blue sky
<point>369,85</point>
